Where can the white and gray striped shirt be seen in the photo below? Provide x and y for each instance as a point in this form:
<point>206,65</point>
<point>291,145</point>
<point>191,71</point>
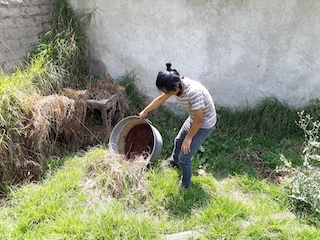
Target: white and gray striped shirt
<point>195,96</point>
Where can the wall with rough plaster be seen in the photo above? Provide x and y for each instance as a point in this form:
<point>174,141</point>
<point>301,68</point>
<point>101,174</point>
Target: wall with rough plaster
<point>242,50</point>
<point>23,23</point>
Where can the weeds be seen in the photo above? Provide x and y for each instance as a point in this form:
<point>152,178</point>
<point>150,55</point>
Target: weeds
<point>62,52</point>
<point>304,181</point>
<point>136,97</point>
<point>59,60</point>
<point>269,117</point>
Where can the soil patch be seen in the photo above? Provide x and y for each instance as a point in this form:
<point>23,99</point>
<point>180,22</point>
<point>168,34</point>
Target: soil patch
<point>139,141</point>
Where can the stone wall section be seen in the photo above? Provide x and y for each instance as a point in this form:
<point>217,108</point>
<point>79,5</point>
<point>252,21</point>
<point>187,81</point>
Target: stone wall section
<point>23,23</point>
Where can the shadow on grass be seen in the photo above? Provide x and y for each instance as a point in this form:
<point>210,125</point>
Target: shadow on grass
<point>178,202</point>
<point>183,202</point>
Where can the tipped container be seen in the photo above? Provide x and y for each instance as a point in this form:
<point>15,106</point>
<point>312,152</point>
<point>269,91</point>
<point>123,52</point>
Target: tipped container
<point>133,137</point>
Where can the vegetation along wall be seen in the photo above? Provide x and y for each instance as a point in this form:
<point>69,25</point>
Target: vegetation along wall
<point>242,50</point>
<point>23,23</point>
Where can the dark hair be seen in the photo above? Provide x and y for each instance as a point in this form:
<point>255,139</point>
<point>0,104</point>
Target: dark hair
<point>168,79</point>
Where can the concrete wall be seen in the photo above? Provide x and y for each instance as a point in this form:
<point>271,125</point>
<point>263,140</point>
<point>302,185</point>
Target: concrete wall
<point>242,50</point>
<point>23,23</point>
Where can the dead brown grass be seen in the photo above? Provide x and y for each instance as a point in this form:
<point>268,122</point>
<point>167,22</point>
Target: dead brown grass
<point>116,177</point>
<point>56,115</point>
<point>62,118</point>
<point>55,124</point>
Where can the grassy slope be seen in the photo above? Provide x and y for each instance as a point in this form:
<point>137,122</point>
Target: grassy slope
<point>64,206</point>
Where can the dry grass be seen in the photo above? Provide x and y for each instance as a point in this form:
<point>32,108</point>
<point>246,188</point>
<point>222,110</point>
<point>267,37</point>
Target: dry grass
<point>57,114</point>
<point>55,124</point>
<point>115,177</point>
<point>58,122</point>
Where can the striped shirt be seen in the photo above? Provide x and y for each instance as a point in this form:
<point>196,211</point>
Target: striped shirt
<point>195,96</point>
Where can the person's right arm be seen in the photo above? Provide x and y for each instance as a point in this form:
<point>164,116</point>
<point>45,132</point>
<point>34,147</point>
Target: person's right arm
<point>157,102</point>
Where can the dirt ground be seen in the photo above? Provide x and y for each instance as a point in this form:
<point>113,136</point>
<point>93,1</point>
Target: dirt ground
<point>139,141</point>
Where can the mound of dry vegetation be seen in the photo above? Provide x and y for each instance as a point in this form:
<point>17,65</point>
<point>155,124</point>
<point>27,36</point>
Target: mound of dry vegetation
<point>112,177</point>
<point>58,123</point>
<point>44,104</point>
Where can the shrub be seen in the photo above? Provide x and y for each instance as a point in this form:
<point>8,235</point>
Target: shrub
<point>304,180</point>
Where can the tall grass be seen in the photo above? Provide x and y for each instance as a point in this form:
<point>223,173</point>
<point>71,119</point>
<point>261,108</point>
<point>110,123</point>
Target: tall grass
<point>62,52</point>
<point>270,118</point>
<point>16,94</point>
<point>137,97</point>
<point>59,60</point>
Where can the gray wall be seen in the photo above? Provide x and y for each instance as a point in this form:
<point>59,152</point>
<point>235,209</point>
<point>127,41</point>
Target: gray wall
<point>23,23</point>
<point>242,50</point>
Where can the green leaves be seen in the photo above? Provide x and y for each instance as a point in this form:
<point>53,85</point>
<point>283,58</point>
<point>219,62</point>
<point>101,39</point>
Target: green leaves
<point>304,184</point>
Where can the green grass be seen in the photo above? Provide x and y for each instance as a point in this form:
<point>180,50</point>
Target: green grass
<point>64,206</point>
<point>55,61</point>
<point>62,51</point>
<point>270,118</point>
<point>136,97</point>
<point>16,94</point>
<point>16,91</point>
<point>234,194</point>
<point>59,60</point>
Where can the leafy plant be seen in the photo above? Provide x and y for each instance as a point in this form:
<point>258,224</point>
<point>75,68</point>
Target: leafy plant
<point>304,183</point>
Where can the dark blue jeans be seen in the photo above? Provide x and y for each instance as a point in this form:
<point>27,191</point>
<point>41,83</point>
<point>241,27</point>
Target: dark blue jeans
<point>184,160</point>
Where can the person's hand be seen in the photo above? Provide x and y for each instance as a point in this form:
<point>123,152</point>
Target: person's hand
<point>185,147</point>
<point>143,114</point>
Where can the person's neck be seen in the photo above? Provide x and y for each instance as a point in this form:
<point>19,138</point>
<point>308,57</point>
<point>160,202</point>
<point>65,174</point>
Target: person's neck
<point>181,88</point>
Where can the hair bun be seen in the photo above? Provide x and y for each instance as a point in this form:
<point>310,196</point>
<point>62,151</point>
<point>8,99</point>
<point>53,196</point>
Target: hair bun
<point>168,66</point>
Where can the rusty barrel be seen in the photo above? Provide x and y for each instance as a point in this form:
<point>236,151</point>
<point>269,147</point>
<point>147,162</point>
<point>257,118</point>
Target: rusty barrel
<point>135,137</point>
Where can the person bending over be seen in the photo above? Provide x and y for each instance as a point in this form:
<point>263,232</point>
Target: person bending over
<point>197,101</point>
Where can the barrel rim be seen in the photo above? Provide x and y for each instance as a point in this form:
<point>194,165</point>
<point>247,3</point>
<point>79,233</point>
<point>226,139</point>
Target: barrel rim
<point>156,137</point>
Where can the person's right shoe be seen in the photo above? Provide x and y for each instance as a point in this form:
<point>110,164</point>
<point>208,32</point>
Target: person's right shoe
<point>182,186</point>
<point>171,163</point>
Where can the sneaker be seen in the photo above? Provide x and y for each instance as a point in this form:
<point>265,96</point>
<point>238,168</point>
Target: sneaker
<point>170,163</point>
<point>173,164</point>
<point>182,186</point>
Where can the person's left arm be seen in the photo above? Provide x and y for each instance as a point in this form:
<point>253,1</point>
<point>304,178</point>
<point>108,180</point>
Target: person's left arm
<point>195,126</point>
